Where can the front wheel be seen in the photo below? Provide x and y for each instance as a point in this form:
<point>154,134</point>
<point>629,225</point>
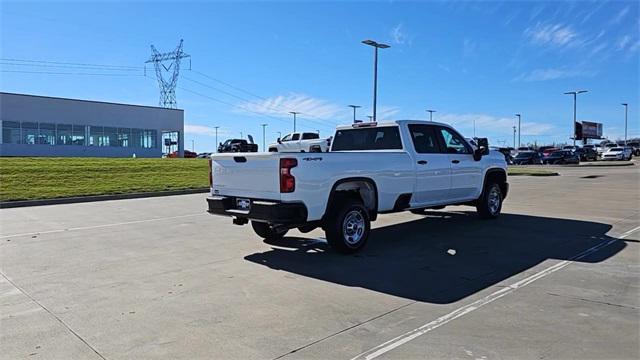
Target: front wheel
<point>489,204</point>
<point>348,226</point>
<point>266,231</point>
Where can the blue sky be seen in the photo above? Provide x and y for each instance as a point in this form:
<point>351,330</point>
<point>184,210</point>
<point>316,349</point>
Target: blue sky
<point>482,61</point>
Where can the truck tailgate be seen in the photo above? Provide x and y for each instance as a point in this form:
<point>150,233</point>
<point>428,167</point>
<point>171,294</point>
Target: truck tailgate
<point>251,175</point>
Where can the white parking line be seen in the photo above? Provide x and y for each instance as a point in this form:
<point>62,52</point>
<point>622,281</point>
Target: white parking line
<point>408,336</point>
<point>627,233</point>
<point>101,226</point>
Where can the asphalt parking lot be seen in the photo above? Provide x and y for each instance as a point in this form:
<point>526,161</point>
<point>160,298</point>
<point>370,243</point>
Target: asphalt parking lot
<point>556,276</point>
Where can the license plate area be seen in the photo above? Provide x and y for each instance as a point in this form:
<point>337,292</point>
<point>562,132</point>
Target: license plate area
<point>243,204</point>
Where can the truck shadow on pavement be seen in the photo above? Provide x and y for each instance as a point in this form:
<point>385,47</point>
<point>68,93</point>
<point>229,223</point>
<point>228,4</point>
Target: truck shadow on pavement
<point>444,257</point>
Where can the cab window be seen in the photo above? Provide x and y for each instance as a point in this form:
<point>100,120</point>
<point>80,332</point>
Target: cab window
<point>286,138</point>
<point>424,139</point>
<point>454,143</point>
<point>309,136</point>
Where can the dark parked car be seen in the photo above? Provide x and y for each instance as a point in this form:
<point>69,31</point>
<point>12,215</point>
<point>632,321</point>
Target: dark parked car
<point>635,146</point>
<point>237,145</point>
<point>562,157</point>
<point>527,158</point>
<point>586,154</point>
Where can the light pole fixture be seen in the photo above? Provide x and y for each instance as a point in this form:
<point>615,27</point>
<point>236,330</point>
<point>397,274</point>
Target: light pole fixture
<point>626,107</point>
<point>354,111</point>
<point>375,70</point>
<point>264,126</point>
<point>430,114</point>
<point>519,131</point>
<point>294,119</point>
<point>575,95</point>
<point>216,127</point>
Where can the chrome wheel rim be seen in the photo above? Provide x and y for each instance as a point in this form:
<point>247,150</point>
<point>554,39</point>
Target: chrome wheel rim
<point>353,227</point>
<point>494,200</point>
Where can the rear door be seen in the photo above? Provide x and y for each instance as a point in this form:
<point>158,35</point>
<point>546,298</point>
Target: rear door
<point>466,173</point>
<point>433,169</point>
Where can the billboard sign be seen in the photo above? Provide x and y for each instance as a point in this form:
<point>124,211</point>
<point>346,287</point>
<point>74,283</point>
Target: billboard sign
<point>591,130</point>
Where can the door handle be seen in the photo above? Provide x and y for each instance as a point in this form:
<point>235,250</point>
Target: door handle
<point>455,161</point>
<point>422,162</point>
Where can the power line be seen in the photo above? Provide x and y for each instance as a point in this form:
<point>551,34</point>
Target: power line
<point>69,66</point>
<point>65,73</point>
<point>70,63</point>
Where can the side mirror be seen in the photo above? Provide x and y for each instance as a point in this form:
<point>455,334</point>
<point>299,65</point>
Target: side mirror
<point>279,141</point>
<point>483,149</point>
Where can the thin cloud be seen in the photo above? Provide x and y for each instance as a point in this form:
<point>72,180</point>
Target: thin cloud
<point>620,15</point>
<point>203,130</point>
<point>281,105</point>
<point>399,36</point>
<point>558,35</point>
<point>551,74</point>
<point>493,125</point>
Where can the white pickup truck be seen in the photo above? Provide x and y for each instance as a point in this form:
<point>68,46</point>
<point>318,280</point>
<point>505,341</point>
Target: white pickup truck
<point>301,142</point>
<point>372,168</point>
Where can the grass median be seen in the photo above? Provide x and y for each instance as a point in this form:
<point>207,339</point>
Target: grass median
<point>49,178</point>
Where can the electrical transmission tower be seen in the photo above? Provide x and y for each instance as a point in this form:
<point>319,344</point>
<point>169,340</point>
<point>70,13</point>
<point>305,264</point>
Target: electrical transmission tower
<point>168,85</point>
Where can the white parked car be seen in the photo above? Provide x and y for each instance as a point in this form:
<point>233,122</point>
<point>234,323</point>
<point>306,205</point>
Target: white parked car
<point>301,142</point>
<point>372,168</point>
<point>617,153</point>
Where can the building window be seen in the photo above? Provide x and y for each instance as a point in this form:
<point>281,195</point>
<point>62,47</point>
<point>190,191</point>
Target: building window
<point>11,132</point>
<point>123,137</point>
<point>78,135</point>
<point>95,136</point>
<point>136,138</point>
<point>47,135</point>
<point>111,136</point>
<point>64,134</point>
<point>29,132</point>
<point>149,139</point>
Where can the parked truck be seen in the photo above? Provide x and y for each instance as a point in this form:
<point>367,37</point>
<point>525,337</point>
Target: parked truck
<point>372,168</point>
<point>301,142</point>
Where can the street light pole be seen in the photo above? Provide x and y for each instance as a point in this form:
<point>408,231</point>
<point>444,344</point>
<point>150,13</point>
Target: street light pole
<point>216,127</point>
<point>626,106</point>
<point>519,131</point>
<point>354,111</point>
<point>264,126</point>
<point>294,119</point>
<point>431,114</point>
<point>514,137</point>
<point>575,95</point>
<point>375,71</point>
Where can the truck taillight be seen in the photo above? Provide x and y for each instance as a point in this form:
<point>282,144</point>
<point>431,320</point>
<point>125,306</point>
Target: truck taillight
<point>210,175</point>
<point>287,181</point>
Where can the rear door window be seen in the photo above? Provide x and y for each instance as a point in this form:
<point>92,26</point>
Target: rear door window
<point>374,138</point>
<point>295,136</point>
<point>309,136</point>
<point>424,139</point>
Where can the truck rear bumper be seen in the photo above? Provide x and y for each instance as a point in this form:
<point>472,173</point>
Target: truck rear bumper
<point>262,210</point>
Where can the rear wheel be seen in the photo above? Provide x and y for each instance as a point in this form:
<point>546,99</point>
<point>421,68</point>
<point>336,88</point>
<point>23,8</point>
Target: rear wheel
<point>266,231</point>
<point>348,225</point>
<point>489,204</point>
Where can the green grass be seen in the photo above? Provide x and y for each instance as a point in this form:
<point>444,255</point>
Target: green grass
<point>531,171</point>
<point>46,178</point>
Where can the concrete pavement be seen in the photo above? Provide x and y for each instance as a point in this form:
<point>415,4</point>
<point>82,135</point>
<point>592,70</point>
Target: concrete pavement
<point>159,278</point>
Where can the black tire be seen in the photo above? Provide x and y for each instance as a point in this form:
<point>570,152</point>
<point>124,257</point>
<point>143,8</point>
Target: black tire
<point>485,205</point>
<point>265,231</point>
<point>337,230</point>
<point>417,211</point>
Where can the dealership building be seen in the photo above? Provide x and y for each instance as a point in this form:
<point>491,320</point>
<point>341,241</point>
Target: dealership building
<point>49,126</point>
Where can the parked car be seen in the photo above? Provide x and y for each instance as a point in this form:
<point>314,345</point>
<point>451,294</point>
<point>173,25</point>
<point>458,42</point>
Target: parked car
<point>527,158</point>
<point>371,168</point>
<point>570,148</point>
<point>617,153</point>
<point>548,151</point>
<point>505,151</point>
<point>190,154</point>
<point>586,154</point>
<point>301,142</point>
<point>524,148</point>
<point>237,145</point>
<point>635,147</point>
<point>204,155</point>
<point>561,157</point>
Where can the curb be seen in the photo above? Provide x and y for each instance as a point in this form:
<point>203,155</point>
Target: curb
<point>538,174</point>
<point>91,198</point>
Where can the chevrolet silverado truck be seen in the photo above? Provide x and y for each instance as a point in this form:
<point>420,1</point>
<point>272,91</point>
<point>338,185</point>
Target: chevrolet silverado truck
<point>372,168</point>
<point>301,142</point>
